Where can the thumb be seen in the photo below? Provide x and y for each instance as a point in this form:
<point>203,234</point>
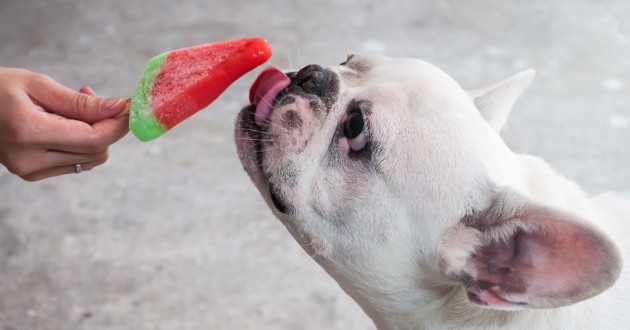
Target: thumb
<point>61,100</point>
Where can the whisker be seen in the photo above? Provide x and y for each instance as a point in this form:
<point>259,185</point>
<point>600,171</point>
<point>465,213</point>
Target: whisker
<point>301,265</point>
<point>253,130</point>
<point>289,59</point>
<point>299,54</point>
<point>257,142</point>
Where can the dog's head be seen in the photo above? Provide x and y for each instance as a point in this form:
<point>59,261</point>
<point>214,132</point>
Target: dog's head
<point>396,181</point>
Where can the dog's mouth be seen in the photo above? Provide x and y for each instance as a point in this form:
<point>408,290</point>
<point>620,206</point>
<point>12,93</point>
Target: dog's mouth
<point>265,91</point>
<point>270,85</point>
<point>258,138</point>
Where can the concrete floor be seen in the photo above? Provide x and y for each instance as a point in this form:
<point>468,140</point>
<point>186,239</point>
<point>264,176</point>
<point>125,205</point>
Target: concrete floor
<point>170,234</point>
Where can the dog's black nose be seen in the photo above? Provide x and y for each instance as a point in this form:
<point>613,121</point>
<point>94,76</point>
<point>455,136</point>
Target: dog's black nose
<point>312,79</point>
<point>291,74</point>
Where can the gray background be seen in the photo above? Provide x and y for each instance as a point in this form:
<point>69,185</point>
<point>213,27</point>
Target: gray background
<point>171,234</point>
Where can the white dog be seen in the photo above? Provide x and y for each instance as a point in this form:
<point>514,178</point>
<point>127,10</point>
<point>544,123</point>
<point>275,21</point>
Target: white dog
<point>396,181</point>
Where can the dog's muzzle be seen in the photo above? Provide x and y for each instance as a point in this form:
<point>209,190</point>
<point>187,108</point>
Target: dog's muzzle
<point>270,92</point>
<point>272,83</point>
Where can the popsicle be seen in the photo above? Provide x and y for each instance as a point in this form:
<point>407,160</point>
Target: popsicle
<point>177,84</point>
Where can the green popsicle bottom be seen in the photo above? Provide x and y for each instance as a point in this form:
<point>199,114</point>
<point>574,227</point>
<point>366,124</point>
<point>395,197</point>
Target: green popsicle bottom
<point>142,122</point>
<point>147,128</point>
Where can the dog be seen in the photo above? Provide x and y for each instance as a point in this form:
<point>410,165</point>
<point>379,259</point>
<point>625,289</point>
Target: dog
<point>396,181</point>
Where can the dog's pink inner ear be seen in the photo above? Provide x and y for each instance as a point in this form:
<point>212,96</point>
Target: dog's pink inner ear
<point>547,261</point>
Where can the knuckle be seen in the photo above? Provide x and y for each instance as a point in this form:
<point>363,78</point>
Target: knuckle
<point>103,157</point>
<point>41,79</point>
<point>100,158</point>
<point>81,102</point>
<point>11,167</point>
<point>17,167</point>
<point>13,70</point>
<point>21,138</point>
<point>16,132</point>
<point>93,145</point>
<point>32,178</point>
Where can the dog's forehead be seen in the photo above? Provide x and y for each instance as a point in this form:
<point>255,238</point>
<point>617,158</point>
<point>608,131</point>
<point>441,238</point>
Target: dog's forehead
<point>402,85</point>
<point>374,68</point>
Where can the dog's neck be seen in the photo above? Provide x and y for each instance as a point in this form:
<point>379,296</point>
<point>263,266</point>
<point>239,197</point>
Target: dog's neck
<point>446,306</point>
<point>454,311</point>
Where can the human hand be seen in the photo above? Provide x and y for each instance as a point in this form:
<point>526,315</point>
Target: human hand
<point>47,128</point>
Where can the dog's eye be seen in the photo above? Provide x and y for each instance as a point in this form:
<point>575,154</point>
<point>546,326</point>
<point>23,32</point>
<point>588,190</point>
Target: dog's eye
<point>354,125</point>
<point>354,130</point>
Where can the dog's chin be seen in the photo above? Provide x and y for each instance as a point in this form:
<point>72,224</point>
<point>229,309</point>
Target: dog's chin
<point>249,145</point>
<point>248,139</point>
<point>252,125</point>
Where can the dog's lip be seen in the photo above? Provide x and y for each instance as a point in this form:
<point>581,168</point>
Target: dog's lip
<point>264,91</point>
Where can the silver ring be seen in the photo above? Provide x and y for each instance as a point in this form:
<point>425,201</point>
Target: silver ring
<point>77,168</point>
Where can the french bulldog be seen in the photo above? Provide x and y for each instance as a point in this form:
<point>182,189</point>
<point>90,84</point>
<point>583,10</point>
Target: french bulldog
<point>396,181</point>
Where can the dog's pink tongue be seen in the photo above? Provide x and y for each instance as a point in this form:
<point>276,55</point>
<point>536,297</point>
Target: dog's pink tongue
<point>264,90</point>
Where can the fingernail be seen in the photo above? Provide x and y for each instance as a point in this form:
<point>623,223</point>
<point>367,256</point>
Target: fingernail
<point>113,104</point>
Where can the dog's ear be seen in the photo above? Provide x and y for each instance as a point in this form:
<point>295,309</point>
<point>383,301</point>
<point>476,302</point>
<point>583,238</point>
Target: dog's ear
<point>518,254</point>
<point>496,100</point>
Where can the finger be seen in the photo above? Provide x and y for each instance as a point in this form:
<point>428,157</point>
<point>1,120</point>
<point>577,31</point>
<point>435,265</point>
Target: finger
<point>23,163</point>
<point>63,101</point>
<point>78,137</point>
<point>125,113</point>
<point>53,158</point>
<point>90,91</point>
<point>55,171</point>
<point>87,90</point>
